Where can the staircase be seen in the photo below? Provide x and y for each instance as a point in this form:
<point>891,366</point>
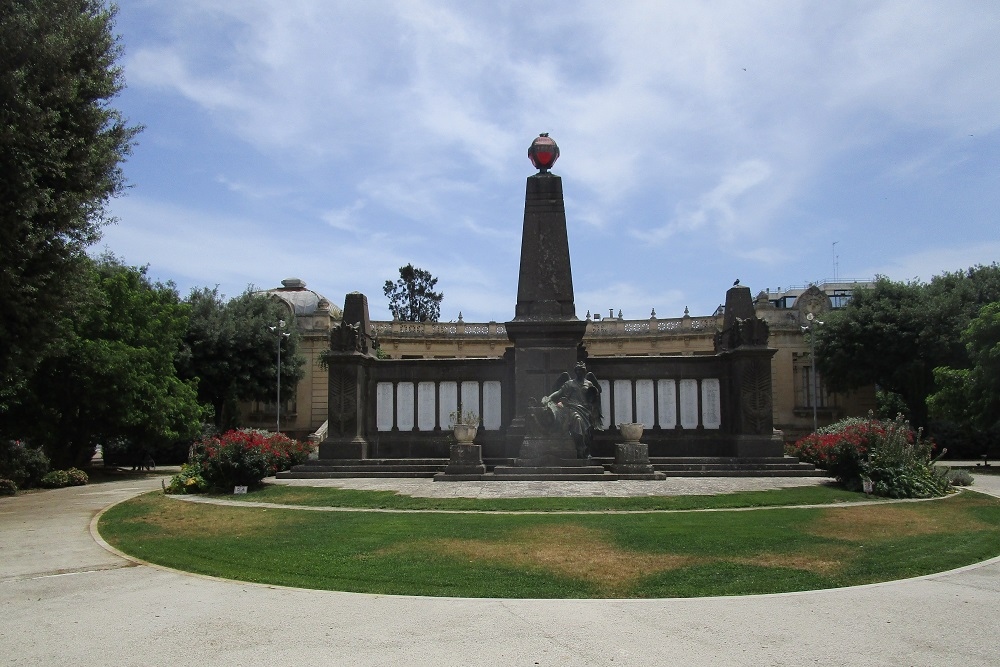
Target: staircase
<point>671,466</point>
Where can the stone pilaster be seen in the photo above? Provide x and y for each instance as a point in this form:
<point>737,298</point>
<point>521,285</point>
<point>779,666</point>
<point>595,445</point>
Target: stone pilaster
<point>351,355</point>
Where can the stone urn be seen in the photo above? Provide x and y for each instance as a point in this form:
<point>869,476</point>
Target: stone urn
<point>465,434</point>
<point>631,433</point>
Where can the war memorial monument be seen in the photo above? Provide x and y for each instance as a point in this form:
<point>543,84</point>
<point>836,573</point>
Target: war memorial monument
<point>545,410</point>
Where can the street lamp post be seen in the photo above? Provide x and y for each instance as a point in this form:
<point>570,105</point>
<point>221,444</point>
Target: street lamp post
<point>812,357</point>
<point>281,334</point>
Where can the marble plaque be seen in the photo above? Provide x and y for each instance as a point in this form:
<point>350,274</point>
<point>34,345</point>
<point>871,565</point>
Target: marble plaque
<point>644,413</point>
<point>404,406</point>
<point>623,402</point>
<point>425,406</point>
<point>667,403</point>
<point>447,403</point>
<point>470,397</point>
<point>605,401</point>
<point>711,411</point>
<point>492,393</point>
<point>689,404</point>
<point>385,406</point>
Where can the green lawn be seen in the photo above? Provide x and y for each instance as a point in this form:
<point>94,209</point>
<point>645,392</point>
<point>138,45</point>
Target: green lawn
<point>640,554</point>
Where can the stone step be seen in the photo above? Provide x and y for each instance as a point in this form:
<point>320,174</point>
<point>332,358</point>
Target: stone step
<point>548,477</point>
<point>751,472</point>
<point>375,462</point>
<point>353,474</point>
<point>397,467</point>
<point>733,466</point>
<point>504,471</point>
<point>723,459</point>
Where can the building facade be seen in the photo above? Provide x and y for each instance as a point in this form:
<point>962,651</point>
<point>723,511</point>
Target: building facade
<point>799,399</point>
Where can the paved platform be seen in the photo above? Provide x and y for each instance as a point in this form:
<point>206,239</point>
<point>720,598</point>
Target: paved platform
<point>67,601</point>
<point>672,486</point>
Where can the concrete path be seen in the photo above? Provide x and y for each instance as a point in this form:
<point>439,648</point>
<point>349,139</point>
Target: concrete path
<point>66,601</point>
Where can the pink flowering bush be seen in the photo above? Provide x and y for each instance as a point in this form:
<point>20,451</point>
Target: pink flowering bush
<point>894,458</point>
<point>242,458</point>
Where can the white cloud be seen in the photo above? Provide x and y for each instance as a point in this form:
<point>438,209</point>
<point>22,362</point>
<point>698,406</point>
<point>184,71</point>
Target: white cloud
<point>402,127</point>
<point>926,264</point>
<point>720,207</point>
<point>346,218</point>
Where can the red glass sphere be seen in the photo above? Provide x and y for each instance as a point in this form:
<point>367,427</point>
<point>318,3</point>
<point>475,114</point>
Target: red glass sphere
<point>543,152</point>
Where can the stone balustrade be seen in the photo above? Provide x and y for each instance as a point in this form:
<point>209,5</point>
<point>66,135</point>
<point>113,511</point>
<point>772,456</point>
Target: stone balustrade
<point>606,328</point>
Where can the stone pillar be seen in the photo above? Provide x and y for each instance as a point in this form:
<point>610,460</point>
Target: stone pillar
<point>747,400</point>
<point>349,361</point>
<point>545,330</point>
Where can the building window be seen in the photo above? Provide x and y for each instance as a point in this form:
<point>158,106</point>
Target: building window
<point>806,393</point>
<point>840,298</point>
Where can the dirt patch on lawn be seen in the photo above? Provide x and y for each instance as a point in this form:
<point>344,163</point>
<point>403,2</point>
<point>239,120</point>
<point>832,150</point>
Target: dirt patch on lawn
<point>588,554</point>
<point>566,550</point>
<point>831,561</point>
<point>883,522</point>
<point>177,518</point>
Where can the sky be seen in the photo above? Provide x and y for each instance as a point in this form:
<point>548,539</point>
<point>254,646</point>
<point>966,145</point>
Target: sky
<point>781,143</point>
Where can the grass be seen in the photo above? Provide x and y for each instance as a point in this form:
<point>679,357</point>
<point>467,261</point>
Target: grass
<point>496,554</point>
<point>331,497</point>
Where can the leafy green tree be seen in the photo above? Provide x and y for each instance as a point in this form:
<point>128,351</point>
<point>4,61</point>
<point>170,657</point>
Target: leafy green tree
<point>61,147</point>
<point>232,351</point>
<point>971,396</point>
<point>115,379</point>
<point>412,298</point>
<point>895,334</point>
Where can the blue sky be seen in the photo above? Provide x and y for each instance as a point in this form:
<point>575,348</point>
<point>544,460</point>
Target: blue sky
<point>336,141</point>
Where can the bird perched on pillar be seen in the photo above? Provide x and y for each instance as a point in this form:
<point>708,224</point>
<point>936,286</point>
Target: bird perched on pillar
<point>736,283</point>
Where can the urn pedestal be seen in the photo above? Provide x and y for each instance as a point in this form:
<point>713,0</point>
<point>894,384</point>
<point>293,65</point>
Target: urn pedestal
<point>632,456</point>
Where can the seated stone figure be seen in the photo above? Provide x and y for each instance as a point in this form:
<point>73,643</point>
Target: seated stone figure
<point>576,406</point>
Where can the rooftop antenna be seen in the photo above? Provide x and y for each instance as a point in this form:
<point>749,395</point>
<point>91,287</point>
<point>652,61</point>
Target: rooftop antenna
<point>835,260</point>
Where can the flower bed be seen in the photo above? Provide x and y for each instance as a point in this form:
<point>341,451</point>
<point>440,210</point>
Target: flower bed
<point>895,459</point>
<point>237,458</point>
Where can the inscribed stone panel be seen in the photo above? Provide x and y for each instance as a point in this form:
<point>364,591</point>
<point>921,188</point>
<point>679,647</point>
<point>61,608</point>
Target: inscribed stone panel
<point>384,406</point>
<point>491,405</point>
<point>470,397</point>
<point>667,403</point>
<point>689,404</point>
<point>711,412</point>
<point>425,406</point>
<point>605,401</point>
<point>623,401</point>
<point>404,406</point>
<point>644,413</point>
<point>447,402</point>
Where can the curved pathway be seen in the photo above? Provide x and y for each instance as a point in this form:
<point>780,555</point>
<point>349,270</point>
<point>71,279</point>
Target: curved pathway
<point>67,601</point>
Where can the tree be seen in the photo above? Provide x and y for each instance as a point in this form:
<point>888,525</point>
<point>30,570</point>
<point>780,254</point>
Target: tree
<point>115,379</point>
<point>970,397</point>
<point>895,334</point>
<point>61,147</point>
<point>233,352</point>
<point>411,298</point>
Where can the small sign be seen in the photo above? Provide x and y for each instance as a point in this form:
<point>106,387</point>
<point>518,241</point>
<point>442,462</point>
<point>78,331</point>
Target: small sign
<point>867,484</point>
<point>239,490</point>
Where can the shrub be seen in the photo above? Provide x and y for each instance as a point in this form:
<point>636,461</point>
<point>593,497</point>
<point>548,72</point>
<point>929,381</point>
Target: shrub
<point>7,487</point>
<point>960,478</point>
<point>55,479</point>
<point>245,457</point>
<point>76,477</point>
<point>895,458</point>
<point>23,465</point>
<point>189,480</point>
